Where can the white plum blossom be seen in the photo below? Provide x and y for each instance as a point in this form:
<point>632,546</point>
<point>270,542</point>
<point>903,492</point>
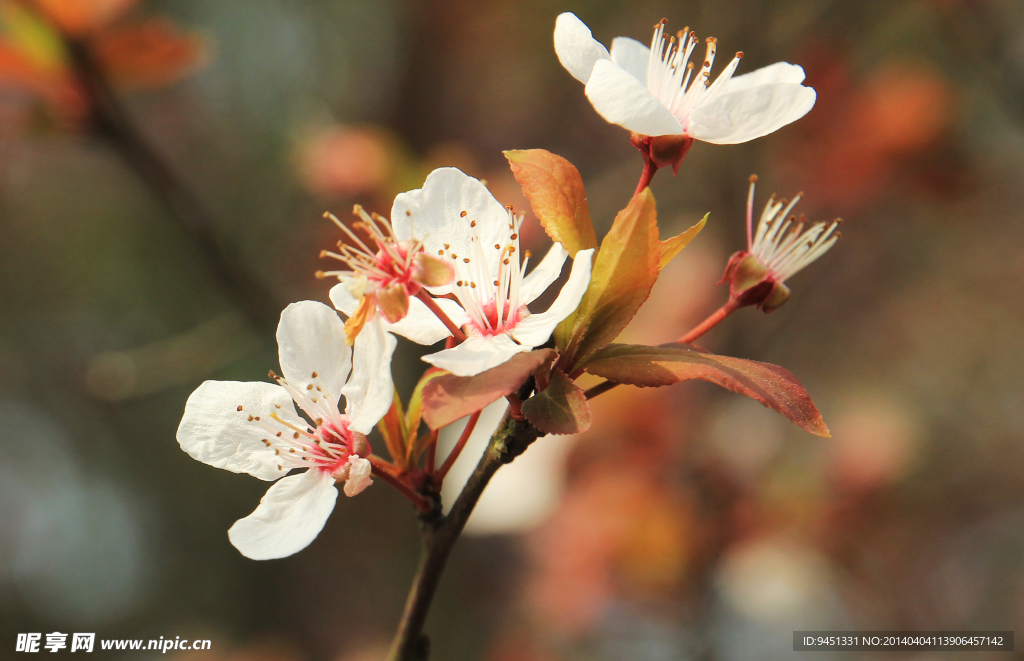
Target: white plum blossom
<point>657,91</point>
<point>253,427</point>
<point>383,276</point>
<point>457,218</point>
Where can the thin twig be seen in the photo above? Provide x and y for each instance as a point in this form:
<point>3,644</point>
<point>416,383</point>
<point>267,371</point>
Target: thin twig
<point>650,169</point>
<point>457,450</point>
<point>445,319</point>
<point>599,389</point>
<point>430,463</point>
<point>515,406</point>
<point>709,323</point>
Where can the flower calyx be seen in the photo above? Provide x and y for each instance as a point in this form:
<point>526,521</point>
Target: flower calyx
<point>752,283</point>
<point>662,150</point>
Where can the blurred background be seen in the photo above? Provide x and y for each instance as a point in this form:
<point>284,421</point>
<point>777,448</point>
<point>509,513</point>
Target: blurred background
<point>152,249</point>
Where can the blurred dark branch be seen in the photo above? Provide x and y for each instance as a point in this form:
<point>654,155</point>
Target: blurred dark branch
<point>113,124</point>
<point>441,532</point>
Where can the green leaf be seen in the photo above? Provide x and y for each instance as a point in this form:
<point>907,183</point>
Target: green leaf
<point>664,365</point>
<point>415,414</point>
<point>625,270</point>
<point>555,190</point>
<point>447,397</point>
<point>561,409</point>
<point>671,247</point>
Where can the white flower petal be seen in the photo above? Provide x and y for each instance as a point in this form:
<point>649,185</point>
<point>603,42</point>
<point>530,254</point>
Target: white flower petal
<point>541,277</point>
<point>780,72</point>
<point>440,215</point>
<point>478,353</point>
<point>632,56</point>
<point>537,328</point>
<point>370,390</point>
<point>622,99</point>
<point>750,113</point>
<point>290,516</point>
<point>420,325</point>
<point>343,300</point>
<point>576,47</point>
<point>215,432</point>
<point>311,339</point>
<point>358,475</point>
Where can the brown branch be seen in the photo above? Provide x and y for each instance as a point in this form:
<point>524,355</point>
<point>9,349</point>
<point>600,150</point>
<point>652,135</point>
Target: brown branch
<point>440,533</point>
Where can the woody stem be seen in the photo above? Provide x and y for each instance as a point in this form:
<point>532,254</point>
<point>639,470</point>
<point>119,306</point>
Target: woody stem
<point>428,300</point>
<point>703,327</point>
<point>440,534</point>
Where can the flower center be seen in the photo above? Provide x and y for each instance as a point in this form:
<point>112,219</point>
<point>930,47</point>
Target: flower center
<point>489,296</point>
<point>325,444</point>
<point>495,323</point>
<point>338,436</point>
<point>670,74</point>
<point>391,261</point>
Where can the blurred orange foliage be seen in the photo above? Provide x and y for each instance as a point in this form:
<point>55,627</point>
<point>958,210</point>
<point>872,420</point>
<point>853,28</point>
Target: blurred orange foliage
<point>866,130</point>
<point>38,69</point>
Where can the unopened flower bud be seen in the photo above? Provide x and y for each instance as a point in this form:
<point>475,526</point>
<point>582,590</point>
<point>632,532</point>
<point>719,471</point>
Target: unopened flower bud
<point>431,271</point>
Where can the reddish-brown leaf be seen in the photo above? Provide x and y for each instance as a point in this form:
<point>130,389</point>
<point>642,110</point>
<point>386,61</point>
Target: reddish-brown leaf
<point>447,397</point>
<point>561,409</point>
<point>392,428</point>
<point>555,190</point>
<point>664,365</point>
